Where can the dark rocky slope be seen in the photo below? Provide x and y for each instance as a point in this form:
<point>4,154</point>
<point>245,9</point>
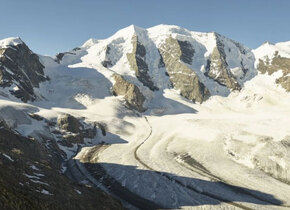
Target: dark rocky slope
<point>30,178</point>
<point>21,69</point>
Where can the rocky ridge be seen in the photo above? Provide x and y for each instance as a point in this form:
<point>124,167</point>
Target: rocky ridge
<point>197,65</point>
<point>277,63</point>
<point>174,54</point>
<point>132,95</point>
<point>31,177</point>
<point>21,70</point>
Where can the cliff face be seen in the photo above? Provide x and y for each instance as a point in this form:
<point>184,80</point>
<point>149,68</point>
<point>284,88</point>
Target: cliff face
<point>131,93</point>
<point>137,61</point>
<point>197,65</point>
<point>174,55</point>
<point>278,63</point>
<point>218,69</point>
<point>275,59</point>
<point>21,70</point>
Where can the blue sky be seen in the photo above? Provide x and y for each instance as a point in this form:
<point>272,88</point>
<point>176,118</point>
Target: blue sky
<point>53,26</point>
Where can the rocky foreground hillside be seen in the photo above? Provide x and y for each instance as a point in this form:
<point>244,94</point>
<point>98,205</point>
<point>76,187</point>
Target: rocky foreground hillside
<point>31,178</point>
<point>98,94</point>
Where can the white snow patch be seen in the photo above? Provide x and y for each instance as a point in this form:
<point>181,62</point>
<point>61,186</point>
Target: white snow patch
<point>78,192</point>
<point>7,156</point>
<point>12,41</point>
<point>45,192</point>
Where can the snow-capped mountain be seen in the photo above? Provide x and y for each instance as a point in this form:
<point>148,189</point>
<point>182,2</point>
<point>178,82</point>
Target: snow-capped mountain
<point>272,58</point>
<point>21,69</point>
<point>159,118</point>
<point>197,65</point>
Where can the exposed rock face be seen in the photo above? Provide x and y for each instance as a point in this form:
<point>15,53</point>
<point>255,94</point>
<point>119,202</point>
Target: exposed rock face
<point>284,82</point>
<point>133,96</point>
<point>69,123</point>
<point>113,52</point>
<point>187,51</point>
<point>59,56</point>
<point>161,63</point>
<point>137,61</point>
<point>103,128</point>
<point>72,138</point>
<point>76,130</point>
<point>107,62</point>
<point>276,64</point>
<point>19,66</point>
<point>181,76</point>
<point>217,67</point>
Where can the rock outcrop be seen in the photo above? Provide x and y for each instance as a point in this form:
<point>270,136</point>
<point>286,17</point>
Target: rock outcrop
<point>284,81</point>
<point>21,69</point>
<point>276,64</point>
<point>59,56</point>
<point>69,123</point>
<point>217,67</point>
<point>132,95</point>
<point>107,62</point>
<point>174,55</point>
<point>187,51</point>
<point>73,130</point>
<point>137,61</point>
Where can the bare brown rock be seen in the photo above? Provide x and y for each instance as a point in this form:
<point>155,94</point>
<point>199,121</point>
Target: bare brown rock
<point>133,96</point>
<point>182,77</point>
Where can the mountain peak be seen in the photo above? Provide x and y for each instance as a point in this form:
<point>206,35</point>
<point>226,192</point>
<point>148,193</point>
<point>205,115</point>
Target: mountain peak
<point>90,43</point>
<point>267,43</point>
<point>135,28</point>
<point>168,29</point>
<point>12,41</point>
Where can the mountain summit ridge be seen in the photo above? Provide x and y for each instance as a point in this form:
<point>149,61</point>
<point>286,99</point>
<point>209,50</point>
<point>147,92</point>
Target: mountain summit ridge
<point>197,64</point>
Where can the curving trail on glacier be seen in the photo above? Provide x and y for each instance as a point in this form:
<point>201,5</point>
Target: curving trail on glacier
<point>201,172</point>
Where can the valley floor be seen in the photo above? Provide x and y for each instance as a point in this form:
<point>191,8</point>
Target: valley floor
<point>227,153</point>
<point>217,157</point>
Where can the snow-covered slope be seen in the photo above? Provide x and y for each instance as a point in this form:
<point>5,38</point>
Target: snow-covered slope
<point>269,49</point>
<point>272,59</point>
<point>191,119</point>
<point>4,43</point>
<point>217,63</point>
